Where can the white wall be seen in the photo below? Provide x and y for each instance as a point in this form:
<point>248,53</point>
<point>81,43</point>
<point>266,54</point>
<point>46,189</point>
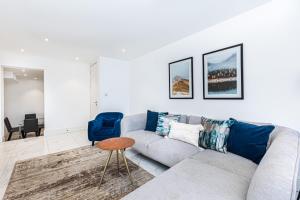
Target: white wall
<point>1,104</point>
<point>114,85</point>
<point>22,97</point>
<point>271,37</point>
<point>66,88</point>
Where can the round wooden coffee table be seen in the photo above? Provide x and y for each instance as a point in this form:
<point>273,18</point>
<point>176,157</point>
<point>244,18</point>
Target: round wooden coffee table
<point>119,144</point>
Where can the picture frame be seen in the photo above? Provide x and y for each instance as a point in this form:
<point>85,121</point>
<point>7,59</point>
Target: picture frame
<point>223,74</point>
<point>181,84</point>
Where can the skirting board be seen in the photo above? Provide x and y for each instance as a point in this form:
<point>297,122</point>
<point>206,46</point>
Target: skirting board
<point>48,132</point>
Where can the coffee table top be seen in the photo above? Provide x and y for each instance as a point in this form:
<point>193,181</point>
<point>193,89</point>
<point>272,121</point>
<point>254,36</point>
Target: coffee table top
<point>115,143</point>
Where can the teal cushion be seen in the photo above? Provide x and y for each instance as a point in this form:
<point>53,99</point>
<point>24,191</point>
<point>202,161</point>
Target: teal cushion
<point>215,134</point>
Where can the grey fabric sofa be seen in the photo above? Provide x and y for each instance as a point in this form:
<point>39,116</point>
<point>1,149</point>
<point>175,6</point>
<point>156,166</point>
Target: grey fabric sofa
<point>210,175</point>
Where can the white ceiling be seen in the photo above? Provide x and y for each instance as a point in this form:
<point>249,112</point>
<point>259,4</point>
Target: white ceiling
<point>89,28</point>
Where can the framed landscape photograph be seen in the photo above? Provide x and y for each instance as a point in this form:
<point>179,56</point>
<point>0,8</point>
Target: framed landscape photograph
<point>181,79</point>
<point>223,73</point>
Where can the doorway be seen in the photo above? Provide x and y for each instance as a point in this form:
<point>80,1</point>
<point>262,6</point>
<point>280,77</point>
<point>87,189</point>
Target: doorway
<point>23,102</point>
<point>94,98</point>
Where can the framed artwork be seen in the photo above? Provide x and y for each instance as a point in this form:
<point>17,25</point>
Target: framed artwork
<point>181,79</point>
<point>223,73</point>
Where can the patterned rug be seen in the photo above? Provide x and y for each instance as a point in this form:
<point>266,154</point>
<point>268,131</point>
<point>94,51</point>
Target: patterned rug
<point>73,174</point>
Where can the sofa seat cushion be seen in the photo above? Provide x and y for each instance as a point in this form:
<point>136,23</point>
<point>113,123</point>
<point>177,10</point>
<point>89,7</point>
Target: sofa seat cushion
<point>192,179</point>
<point>229,162</point>
<point>170,152</point>
<point>143,139</point>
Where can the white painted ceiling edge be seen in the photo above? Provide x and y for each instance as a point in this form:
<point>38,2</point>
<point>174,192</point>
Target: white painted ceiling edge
<point>118,29</point>
<point>21,73</point>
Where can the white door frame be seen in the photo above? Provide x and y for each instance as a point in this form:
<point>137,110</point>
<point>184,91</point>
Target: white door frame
<point>2,138</point>
<point>94,98</point>
<point>2,103</point>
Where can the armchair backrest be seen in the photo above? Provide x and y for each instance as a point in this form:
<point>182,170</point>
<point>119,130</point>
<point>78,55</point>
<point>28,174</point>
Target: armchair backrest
<point>109,119</point>
<point>110,115</point>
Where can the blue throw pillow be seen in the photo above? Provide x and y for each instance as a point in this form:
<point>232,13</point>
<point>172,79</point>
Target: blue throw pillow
<point>248,140</point>
<point>152,119</point>
<point>108,122</point>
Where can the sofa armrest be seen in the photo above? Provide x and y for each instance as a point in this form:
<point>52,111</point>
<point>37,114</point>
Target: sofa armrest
<point>276,175</point>
<point>133,123</point>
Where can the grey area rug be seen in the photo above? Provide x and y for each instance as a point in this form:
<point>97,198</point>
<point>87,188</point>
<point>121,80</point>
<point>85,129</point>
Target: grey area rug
<point>73,174</point>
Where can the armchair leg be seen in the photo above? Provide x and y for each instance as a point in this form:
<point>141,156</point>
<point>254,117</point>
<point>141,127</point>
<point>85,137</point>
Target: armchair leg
<point>93,143</point>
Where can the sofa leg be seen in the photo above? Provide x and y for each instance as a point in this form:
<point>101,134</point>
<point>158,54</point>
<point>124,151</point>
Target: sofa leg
<point>93,143</point>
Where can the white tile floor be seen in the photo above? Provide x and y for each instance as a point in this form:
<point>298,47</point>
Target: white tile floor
<point>15,150</point>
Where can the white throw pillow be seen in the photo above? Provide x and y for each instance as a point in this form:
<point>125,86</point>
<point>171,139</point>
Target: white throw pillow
<point>185,132</point>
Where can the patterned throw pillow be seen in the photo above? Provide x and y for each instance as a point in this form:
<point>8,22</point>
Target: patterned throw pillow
<point>215,134</point>
<point>163,124</point>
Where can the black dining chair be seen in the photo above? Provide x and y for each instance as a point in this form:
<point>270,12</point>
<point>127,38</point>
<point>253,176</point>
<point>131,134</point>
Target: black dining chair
<point>41,126</point>
<point>30,116</point>
<point>31,125</point>
<point>11,129</point>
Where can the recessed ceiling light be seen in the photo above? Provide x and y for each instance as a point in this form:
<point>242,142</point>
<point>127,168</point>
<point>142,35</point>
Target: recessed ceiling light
<point>23,70</point>
<point>22,50</point>
<point>35,78</point>
<point>25,75</point>
<point>46,40</point>
<point>123,50</point>
<point>76,58</point>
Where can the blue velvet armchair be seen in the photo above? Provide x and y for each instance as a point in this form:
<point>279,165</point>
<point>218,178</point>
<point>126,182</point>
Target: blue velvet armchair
<point>105,125</point>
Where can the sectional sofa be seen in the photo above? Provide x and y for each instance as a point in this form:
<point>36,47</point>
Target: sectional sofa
<point>209,175</point>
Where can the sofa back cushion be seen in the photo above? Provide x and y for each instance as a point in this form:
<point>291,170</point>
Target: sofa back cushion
<point>276,175</point>
<point>248,140</point>
<point>194,119</point>
<point>183,119</point>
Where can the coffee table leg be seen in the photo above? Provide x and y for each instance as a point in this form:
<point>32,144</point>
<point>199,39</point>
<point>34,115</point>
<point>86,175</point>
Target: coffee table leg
<point>124,158</point>
<point>118,161</point>
<point>107,161</point>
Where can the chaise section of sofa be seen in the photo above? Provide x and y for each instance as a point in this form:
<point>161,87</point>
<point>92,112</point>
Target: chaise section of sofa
<point>276,175</point>
<point>192,179</point>
<point>210,175</point>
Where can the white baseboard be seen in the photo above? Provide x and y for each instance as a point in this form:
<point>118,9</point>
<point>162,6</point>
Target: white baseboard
<point>48,132</point>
